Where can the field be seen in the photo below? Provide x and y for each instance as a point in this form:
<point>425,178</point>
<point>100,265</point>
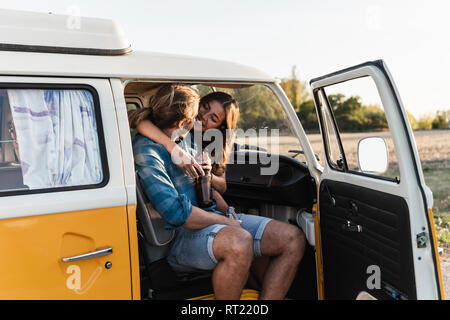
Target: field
<point>433,147</point>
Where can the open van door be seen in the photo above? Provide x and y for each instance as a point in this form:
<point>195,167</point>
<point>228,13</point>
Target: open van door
<point>377,234</point>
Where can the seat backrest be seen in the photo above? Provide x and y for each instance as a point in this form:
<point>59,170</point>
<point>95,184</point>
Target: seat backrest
<point>151,221</point>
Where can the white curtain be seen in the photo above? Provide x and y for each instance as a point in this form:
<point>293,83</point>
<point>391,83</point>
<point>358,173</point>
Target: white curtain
<point>57,136</point>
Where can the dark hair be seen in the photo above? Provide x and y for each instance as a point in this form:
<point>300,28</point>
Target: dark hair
<point>231,108</point>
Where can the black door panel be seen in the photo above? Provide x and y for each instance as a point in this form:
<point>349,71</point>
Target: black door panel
<point>383,240</point>
<point>291,185</point>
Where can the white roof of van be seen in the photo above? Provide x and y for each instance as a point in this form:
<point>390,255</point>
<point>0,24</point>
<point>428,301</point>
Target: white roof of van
<point>24,28</point>
<point>60,45</point>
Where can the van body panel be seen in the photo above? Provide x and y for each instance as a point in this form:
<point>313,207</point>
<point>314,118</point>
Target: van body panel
<point>134,252</point>
<point>32,249</point>
<point>111,195</point>
<point>136,65</point>
<point>125,140</point>
<point>129,182</point>
<point>41,227</point>
<point>319,263</point>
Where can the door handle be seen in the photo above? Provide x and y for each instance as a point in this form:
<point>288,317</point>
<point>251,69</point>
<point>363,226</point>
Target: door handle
<point>100,252</point>
<point>349,226</point>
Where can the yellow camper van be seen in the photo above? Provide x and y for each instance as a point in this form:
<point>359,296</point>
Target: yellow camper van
<point>74,223</point>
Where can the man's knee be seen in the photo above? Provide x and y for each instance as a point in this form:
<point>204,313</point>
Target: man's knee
<point>236,245</point>
<point>241,245</point>
<point>295,240</point>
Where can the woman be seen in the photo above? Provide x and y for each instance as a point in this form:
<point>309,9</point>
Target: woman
<point>217,110</point>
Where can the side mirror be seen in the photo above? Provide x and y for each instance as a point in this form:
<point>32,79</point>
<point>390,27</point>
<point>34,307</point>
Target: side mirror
<point>372,155</point>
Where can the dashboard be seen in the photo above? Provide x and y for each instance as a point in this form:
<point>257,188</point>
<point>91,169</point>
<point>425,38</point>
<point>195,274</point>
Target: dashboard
<point>290,185</point>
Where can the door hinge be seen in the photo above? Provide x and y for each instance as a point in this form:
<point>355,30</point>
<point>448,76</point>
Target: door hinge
<point>422,239</point>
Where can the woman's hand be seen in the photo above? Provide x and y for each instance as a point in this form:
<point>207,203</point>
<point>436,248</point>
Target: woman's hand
<point>186,162</point>
<point>205,161</point>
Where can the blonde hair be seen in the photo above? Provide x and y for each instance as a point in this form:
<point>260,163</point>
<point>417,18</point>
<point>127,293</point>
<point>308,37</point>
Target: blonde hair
<point>170,104</point>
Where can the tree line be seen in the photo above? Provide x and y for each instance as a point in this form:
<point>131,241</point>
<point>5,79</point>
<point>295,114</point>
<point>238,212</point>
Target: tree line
<point>259,108</point>
<point>350,113</point>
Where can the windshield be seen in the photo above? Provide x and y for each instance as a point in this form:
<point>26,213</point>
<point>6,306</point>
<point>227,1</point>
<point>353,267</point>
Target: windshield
<point>263,124</point>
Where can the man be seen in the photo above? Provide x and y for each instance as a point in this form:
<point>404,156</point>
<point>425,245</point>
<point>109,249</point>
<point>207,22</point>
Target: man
<point>205,238</point>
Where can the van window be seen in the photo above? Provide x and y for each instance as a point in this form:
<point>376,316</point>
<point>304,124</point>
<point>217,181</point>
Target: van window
<point>263,123</point>
<point>48,139</point>
<point>359,113</point>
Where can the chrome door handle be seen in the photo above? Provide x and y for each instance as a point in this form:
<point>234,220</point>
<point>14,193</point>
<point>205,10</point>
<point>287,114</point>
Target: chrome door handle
<point>100,252</point>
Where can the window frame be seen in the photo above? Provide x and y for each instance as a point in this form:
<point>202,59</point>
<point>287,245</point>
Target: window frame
<point>344,168</point>
<point>100,134</point>
<point>324,132</point>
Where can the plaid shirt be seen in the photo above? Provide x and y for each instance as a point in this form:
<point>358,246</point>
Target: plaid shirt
<point>168,189</point>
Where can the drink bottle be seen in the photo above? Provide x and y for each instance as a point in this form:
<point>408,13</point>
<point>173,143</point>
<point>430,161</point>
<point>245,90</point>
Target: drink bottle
<point>203,190</point>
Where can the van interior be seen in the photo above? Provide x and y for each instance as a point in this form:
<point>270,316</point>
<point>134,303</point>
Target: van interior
<point>10,169</point>
<point>288,195</point>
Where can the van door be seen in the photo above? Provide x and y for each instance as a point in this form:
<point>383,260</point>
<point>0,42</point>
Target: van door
<point>63,216</point>
<point>376,229</point>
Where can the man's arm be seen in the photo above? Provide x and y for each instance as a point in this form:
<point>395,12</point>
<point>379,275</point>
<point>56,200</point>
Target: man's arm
<point>186,162</point>
<point>199,219</point>
<point>157,185</point>
<point>175,208</point>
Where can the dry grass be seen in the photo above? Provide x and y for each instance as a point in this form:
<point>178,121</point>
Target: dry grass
<point>433,146</point>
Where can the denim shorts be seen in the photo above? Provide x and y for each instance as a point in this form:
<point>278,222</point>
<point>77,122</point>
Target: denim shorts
<point>192,250</point>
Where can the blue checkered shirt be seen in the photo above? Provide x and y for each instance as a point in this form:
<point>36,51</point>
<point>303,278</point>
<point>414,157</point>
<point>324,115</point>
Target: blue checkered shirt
<point>168,189</point>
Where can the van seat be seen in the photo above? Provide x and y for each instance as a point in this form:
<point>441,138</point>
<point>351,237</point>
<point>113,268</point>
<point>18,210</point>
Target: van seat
<point>151,221</point>
<point>154,246</point>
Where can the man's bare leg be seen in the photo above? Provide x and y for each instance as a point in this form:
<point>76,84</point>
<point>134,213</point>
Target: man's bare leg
<point>233,249</point>
<point>282,246</point>
<point>257,272</point>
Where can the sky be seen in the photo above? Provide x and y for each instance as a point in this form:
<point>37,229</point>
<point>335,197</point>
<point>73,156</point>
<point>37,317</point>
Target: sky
<point>318,37</point>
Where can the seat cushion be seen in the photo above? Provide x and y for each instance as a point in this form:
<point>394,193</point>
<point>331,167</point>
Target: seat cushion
<point>167,285</point>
